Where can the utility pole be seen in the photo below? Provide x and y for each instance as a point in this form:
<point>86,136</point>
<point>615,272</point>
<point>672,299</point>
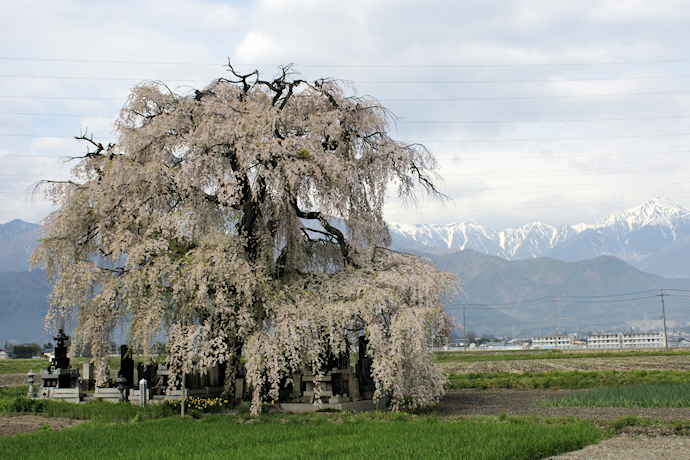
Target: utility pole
<point>464,327</point>
<point>663,313</point>
<point>555,327</point>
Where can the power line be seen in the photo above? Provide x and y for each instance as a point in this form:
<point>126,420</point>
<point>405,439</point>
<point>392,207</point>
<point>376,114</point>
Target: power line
<point>535,80</point>
<point>444,99</point>
<point>362,82</point>
<point>64,98</point>
<point>460,141</point>
<point>33,114</point>
<point>357,66</point>
<point>579,155</point>
<point>466,122</point>
<point>607,296</point>
<point>607,301</point>
<point>575,120</point>
<point>531,172</point>
<point>506,189</point>
<point>508,98</point>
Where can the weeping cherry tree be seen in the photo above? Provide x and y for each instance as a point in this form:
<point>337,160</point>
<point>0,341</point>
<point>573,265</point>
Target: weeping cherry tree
<point>247,219</point>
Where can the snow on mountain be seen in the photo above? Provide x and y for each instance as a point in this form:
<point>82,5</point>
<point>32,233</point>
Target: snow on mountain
<point>464,235</point>
<point>532,240</point>
<point>632,235</point>
<point>659,212</point>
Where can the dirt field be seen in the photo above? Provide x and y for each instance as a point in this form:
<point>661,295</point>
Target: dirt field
<point>30,423</point>
<point>10,380</point>
<point>572,364</point>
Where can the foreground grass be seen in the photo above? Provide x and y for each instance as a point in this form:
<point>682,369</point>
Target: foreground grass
<point>631,396</point>
<point>13,401</point>
<point>570,380</point>
<point>315,436</point>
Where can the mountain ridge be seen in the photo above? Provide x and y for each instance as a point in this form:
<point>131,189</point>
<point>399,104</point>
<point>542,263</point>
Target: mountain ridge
<point>513,297</point>
<point>637,235</point>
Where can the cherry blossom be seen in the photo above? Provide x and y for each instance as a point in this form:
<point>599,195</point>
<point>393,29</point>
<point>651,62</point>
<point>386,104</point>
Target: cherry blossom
<point>246,219</point>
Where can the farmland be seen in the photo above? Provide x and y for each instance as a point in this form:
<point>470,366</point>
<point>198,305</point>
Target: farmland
<point>497,391</point>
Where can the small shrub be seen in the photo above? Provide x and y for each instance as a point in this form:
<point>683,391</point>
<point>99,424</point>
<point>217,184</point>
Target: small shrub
<point>628,420</point>
<point>244,407</point>
<point>45,428</point>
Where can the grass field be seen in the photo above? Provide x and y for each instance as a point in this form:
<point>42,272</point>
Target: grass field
<point>126,431</point>
<point>558,380</point>
<point>456,356</point>
<point>445,359</point>
<point>637,396</point>
<point>315,436</point>
<point>22,366</point>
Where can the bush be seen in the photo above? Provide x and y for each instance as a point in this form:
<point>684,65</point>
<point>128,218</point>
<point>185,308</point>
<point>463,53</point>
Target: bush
<point>26,351</point>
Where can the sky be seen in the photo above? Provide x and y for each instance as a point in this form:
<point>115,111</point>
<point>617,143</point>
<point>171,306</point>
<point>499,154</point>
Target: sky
<point>558,112</point>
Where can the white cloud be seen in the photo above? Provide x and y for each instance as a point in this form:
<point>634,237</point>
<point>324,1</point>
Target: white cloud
<point>525,125</point>
<point>257,48</point>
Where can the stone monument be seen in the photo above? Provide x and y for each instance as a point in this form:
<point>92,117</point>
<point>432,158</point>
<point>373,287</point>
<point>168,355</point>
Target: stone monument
<point>59,374</point>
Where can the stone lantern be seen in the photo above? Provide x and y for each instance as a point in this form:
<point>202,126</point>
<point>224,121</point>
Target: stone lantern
<point>31,378</point>
<point>121,384</point>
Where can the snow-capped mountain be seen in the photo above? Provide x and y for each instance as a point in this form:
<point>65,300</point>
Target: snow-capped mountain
<point>644,236</point>
<point>532,240</point>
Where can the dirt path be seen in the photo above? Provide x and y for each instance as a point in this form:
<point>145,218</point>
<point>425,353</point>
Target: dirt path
<point>30,423</point>
<point>633,446</point>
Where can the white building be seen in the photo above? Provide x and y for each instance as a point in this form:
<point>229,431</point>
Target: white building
<point>620,340</point>
<point>549,342</point>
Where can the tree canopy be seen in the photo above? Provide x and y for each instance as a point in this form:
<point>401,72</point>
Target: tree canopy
<point>247,217</point>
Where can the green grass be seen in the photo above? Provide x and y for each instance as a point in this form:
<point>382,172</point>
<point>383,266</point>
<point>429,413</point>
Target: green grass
<point>631,396</point>
<point>22,366</point>
<point>9,393</point>
<point>474,356</point>
<point>315,436</point>
<point>99,411</point>
<point>572,380</point>
<point>13,401</point>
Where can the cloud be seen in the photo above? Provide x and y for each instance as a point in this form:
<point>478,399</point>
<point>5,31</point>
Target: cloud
<point>536,110</point>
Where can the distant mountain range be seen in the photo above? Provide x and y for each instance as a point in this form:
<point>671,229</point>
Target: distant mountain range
<point>532,296</point>
<point>23,307</point>
<point>23,294</point>
<point>595,277</point>
<point>653,237</point>
<point>18,239</point>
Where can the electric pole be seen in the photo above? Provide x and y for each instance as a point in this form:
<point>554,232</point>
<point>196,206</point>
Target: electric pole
<point>464,327</point>
<point>555,327</point>
<point>663,313</point>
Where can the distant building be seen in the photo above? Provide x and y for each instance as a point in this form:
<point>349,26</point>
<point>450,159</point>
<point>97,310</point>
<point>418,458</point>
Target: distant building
<point>549,342</point>
<point>3,354</point>
<point>620,340</point>
<point>500,346</point>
